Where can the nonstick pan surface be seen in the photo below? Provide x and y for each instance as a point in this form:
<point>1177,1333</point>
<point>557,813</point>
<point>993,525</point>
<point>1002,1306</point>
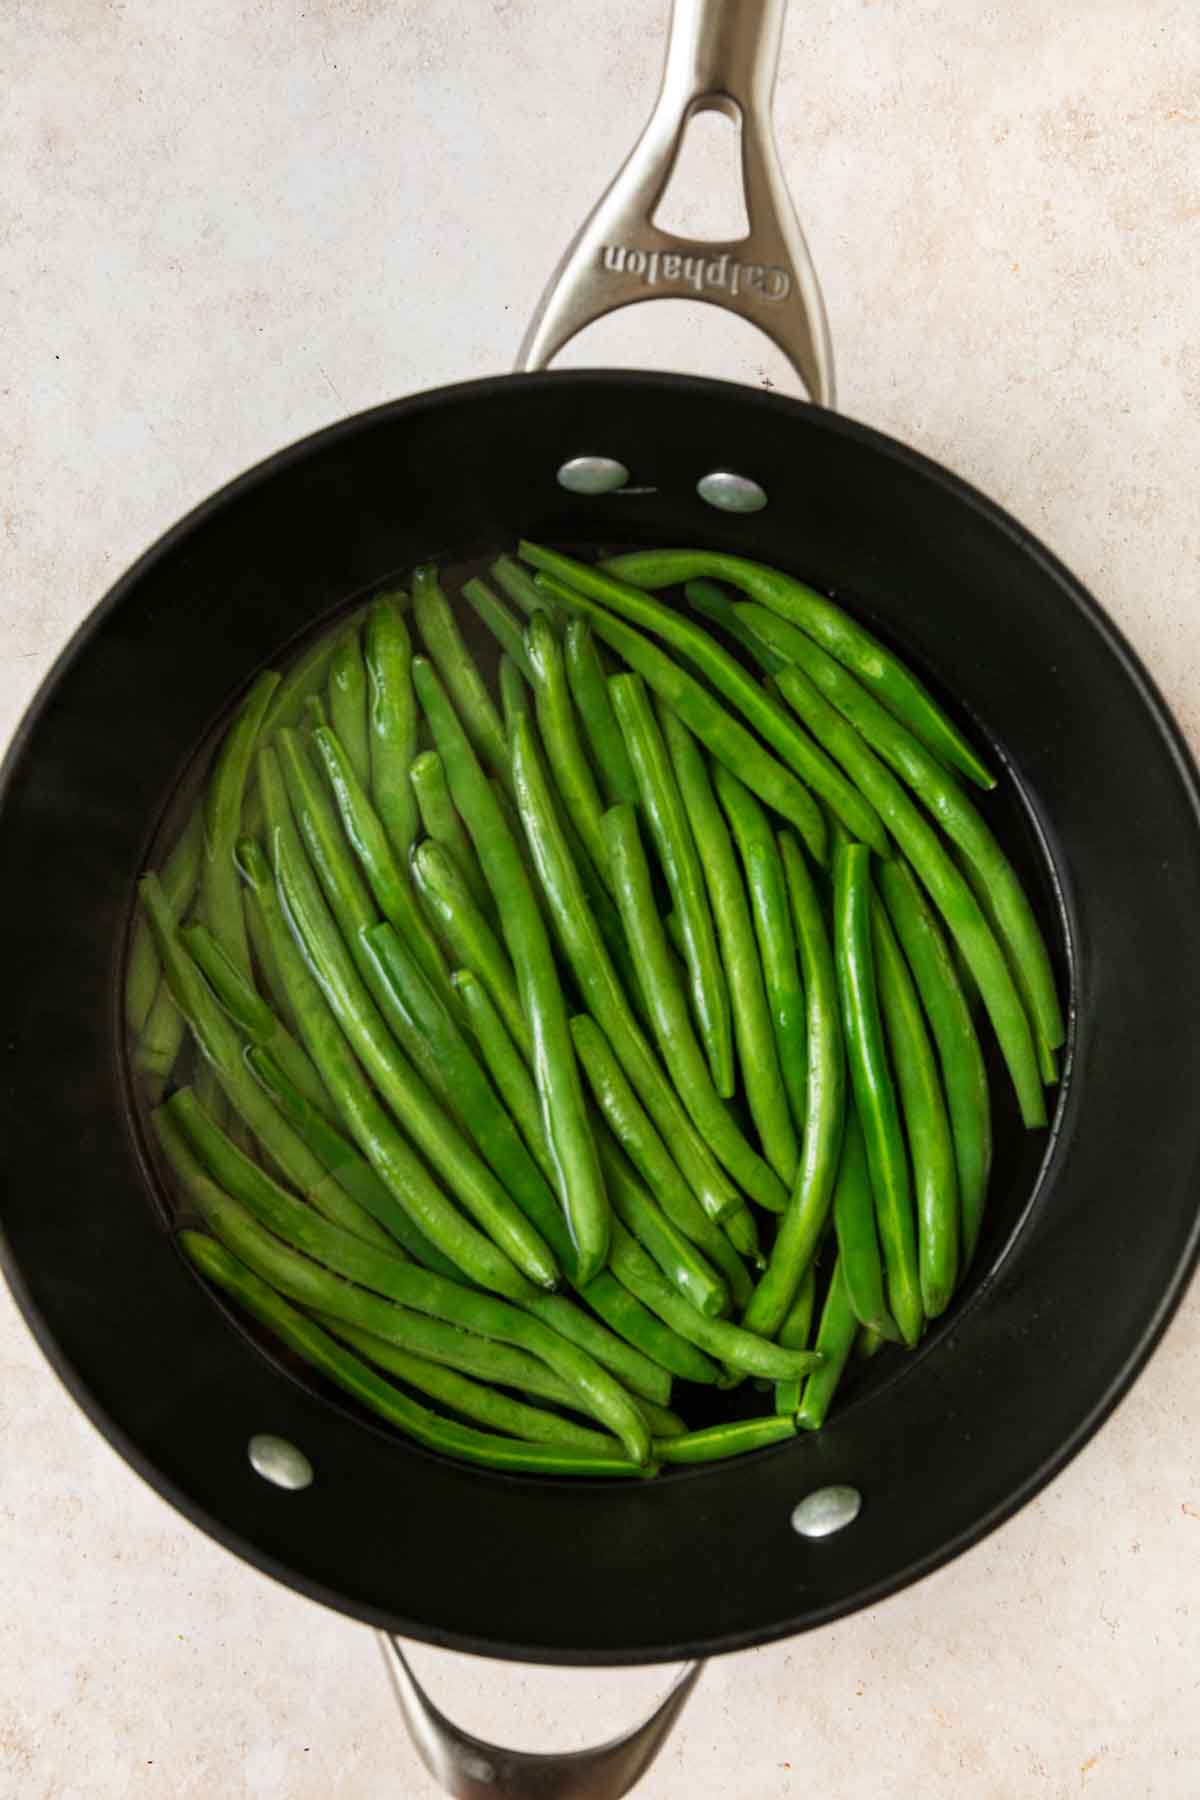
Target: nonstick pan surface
<point>1093,1232</point>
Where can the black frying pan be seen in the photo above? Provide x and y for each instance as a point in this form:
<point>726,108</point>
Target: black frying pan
<point>1092,1234</point>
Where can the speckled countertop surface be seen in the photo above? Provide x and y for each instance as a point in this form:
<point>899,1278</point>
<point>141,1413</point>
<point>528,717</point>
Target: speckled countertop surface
<point>223,226</point>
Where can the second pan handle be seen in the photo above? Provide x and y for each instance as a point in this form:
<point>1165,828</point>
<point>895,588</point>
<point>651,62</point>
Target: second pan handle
<point>469,1769</point>
<point>722,55</point>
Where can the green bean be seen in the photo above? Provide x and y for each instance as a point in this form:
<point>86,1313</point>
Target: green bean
<point>507,1062</point>
<point>397,1328</point>
<point>512,1418</point>
<point>774,931</point>
<point>598,980</point>
<point>253,1017</point>
<point>299,1234</point>
<point>503,625</point>
<point>348,1170</point>
<point>772,722</point>
<point>633,1130</point>
<point>219,885</point>
<point>208,1087</point>
<point>874,1090</point>
<point>730,1344</point>
<point>724,735</point>
<point>663,1423</point>
<point>794,1334</point>
<point>265,959</point>
<point>319,1349</point>
<point>635,1133</point>
<point>579,1181</point>
<point>391,720</point>
<point>718,1442</point>
<point>305,677</point>
<point>712,603</point>
<point>943,880</point>
<point>796,1329</point>
<point>299,686</point>
<point>220,1044</point>
<point>515,692</point>
<point>857,1236</point>
<point>642,1375</point>
<point>241,1135</point>
<point>560,735</point>
<point>319,823</point>
<point>674,931</point>
<point>677,1042</point>
<point>828,625</point>
<point>682,1264</point>
<point>966,978</point>
<point>348,705</point>
<point>987,868</point>
<point>456,666</point>
<point>766,1094</point>
<point>662,807</point>
<point>430,1128</point>
<point>517,704</point>
<point>588,681</point>
<point>233,1169</point>
<point>728,1259</point>
<point>211,1093</point>
<point>465,931</point>
<point>216,1104</point>
<point>442,823</point>
<point>606,916</point>
<point>803,1223</point>
<point>519,585</point>
<point>449,1346</point>
<point>161,1038</point>
<point>964,1075</point>
<point>389,884</point>
<point>157,1049</point>
<point>624,1313</point>
<point>931,1147</point>
<point>836,1335</point>
<point>616,1305</point>
<point>489,1123</point>
<point>179,875</point>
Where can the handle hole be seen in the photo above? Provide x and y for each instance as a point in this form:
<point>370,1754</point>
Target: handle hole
<point>704,197</point>
<point>545,1711</point>
<point>682,334</point>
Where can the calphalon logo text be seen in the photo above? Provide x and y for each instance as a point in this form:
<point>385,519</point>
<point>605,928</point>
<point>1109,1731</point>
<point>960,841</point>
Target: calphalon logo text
<point>697,272</point>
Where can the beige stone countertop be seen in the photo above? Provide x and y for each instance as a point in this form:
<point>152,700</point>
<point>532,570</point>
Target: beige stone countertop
<point>224,225</point>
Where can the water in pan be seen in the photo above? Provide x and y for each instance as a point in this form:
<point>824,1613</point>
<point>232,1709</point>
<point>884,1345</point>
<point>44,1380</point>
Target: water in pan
<point>1018,1154</point>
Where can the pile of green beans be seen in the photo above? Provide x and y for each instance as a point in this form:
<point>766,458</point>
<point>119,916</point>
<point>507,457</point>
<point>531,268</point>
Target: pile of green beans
<point>530,1051</point>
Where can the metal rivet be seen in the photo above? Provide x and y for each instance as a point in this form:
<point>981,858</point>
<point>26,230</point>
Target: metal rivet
<point>731,493</point>
<point>826,1510</point>
<point>280,1462</point>
<point>592,475</point>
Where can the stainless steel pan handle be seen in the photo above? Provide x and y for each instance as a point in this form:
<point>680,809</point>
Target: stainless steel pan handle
<point>722,55</point>
<point>469,1769</point>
